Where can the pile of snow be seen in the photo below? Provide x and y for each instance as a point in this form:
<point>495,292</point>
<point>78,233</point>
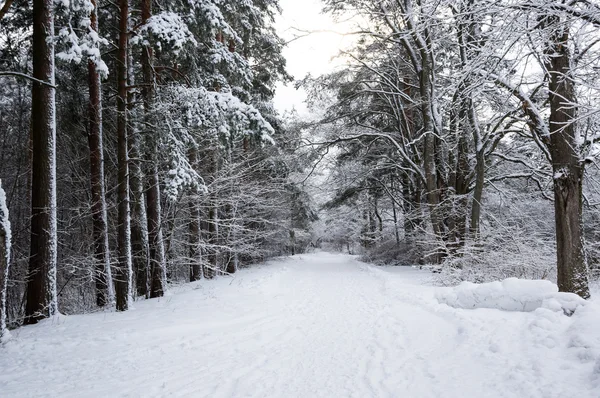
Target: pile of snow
<point>511,294</point>
<point>584,337</point>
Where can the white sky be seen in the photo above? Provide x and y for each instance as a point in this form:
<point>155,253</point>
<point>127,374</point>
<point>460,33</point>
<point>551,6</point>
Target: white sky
<point>311,54</point>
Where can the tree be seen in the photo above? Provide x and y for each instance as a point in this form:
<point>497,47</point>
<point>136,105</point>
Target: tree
<point>5,242</point>
<point>103,274</point>
<point>124,270</point>
<point>560,136</point>
<point>153,200</point>
<point>567,164</point>
<point>41,286</point>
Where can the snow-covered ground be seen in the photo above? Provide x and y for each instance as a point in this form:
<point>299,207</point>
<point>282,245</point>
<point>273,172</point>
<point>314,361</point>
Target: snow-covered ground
<point>317,325</point>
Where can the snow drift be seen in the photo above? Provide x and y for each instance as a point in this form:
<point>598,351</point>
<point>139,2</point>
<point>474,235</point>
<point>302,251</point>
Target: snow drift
<point>511,294</point>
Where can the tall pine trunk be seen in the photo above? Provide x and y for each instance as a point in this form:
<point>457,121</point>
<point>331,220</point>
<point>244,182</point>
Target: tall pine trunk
<point>102,275</point>
<point>123,277</point>
<point>139,220</point>
<point>139,217</point>
<point>41,286</point>
<point>156,244</point>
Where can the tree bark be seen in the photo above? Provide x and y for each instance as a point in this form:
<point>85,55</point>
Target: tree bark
<point>195,238</point>
<point>140,245</point>
<point>4,261</point>
<point>156,244</point>
<point>394,213</point>
<point>103,275</point>
<point>567,168</point>
<point>433,194</point>
<point>139,221</point>
<point>123,277</point>
<point>195,243</point>
<point>460,180</point>
<point>477,194</point>
<point>157,251</point>
<point>41,286</point>
<point>210,270</point>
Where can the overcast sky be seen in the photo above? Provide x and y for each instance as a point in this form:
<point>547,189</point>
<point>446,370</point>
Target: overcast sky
<point>311,54</point>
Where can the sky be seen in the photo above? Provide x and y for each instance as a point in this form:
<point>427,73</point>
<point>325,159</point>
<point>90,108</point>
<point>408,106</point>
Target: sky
<point>314,53</point>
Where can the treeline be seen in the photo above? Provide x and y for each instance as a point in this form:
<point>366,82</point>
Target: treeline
<point>139,146</point>
<point>460,128</point>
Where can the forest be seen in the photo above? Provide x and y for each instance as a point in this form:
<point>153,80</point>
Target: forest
<point>140,146</point>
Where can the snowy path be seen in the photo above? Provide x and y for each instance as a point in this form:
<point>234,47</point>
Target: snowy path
<point>318,325</point>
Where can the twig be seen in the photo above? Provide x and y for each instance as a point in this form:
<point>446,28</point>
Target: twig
<point>17,74</point>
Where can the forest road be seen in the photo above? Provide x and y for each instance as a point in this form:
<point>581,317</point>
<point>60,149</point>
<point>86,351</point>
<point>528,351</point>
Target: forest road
<point>313,325</point>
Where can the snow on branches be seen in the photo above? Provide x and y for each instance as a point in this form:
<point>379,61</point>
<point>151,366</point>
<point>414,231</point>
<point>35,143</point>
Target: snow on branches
<point>77,40</point>
<point>210,12</point>
<point>165,28</point>
<point>194,114</point>
<point>219,114</point>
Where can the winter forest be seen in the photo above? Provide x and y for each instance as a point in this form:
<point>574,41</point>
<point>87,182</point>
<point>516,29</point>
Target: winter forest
<point>144,155</point>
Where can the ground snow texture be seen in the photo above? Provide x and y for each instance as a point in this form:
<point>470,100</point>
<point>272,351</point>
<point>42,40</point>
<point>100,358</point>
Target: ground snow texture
<point>318,325</point>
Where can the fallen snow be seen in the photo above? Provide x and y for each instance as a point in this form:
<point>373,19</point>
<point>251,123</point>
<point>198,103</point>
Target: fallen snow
<point>318,325</point>
<point>511,294</point>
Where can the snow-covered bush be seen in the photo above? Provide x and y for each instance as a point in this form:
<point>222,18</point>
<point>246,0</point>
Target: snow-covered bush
<point>511,294</point>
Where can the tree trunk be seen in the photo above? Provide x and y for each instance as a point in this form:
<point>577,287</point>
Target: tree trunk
<point>123,277</point>
<point>139,221</point>
<point>477,194</point>
<point>411,206</point>
<point>395,214</point>
<point>140,245</point>
<point>232,263</point>
<point>41,286</point>
<point>157,251</point>
<point>195,238</point>
<point>469,45</point>
<point>429,153</point>
<point>5,235</point>
<point>460,181</point>
<point>210,270</point>
<point>156,244</point>
<point>103,275</point>
<point>210,226</point>
<point>567,167</point>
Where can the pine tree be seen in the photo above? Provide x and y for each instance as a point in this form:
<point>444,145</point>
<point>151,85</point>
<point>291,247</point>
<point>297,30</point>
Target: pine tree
<point>103,274</point>
<point>41,287</point>
<point>124,270</point>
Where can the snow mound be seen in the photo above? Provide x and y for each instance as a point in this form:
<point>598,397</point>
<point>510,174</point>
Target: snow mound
<point>511,294</point>
<point>584,336</point>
